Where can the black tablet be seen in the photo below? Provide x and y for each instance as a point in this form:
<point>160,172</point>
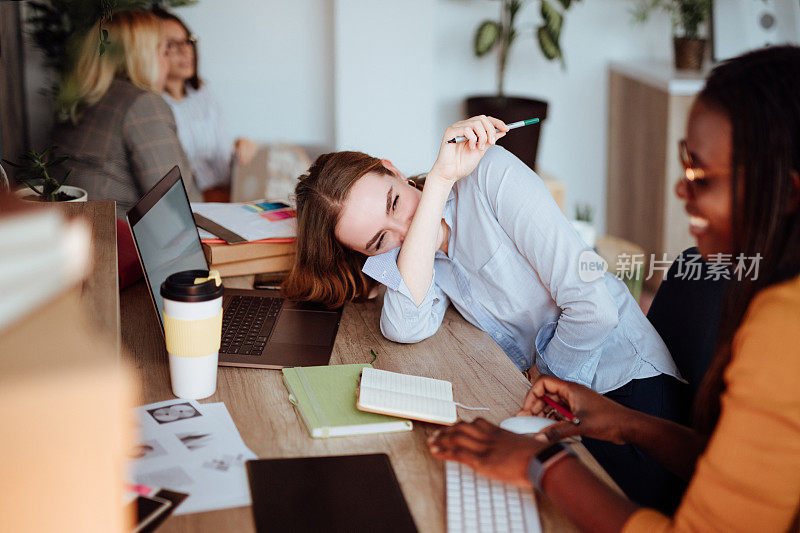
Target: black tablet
<point>338,494</point>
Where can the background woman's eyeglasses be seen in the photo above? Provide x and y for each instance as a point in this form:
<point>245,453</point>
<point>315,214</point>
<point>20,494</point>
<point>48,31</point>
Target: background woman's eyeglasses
<point>179,46</point>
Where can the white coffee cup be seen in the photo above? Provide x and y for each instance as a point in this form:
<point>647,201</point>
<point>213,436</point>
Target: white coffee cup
<point>193,329</point>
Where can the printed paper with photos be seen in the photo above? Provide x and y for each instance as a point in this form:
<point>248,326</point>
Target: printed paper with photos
<point>192,448</point>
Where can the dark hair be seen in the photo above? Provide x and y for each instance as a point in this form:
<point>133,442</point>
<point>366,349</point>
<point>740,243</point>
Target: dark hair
<point>325,270</point>
<point>758,92</point>
<point>163,14</point>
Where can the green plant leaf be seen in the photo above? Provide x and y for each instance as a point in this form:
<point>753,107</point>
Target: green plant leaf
<point>552,19</point>
<point>565,3</point>
<point>31,187</point>
<point>512,34</point>
<point>486,37</point>
<point>548,44</point>
<point>56,161</point>
<point>6,161</point>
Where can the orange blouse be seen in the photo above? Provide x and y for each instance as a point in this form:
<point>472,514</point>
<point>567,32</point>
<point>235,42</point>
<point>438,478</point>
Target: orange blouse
<point>748,478</point>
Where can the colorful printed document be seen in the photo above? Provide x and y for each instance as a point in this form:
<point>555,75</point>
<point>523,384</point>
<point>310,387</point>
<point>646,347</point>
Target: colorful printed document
<point>191,448</point>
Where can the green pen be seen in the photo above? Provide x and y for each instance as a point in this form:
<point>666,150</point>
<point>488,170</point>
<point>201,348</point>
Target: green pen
<point>512,126</point>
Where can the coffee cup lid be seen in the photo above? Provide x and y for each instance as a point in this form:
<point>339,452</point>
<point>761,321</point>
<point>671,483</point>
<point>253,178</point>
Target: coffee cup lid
<point>183,287</point>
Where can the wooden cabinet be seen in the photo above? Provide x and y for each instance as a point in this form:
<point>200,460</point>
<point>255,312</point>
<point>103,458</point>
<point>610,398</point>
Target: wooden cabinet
<point>648,107</point>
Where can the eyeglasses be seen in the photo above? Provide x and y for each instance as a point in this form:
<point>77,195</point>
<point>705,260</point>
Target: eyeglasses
<point>176,46</point>
<point>690,171</point>
<point>694,177</point>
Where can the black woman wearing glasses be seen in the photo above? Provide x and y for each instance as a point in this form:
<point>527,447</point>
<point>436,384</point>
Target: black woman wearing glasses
<point>741,188</point>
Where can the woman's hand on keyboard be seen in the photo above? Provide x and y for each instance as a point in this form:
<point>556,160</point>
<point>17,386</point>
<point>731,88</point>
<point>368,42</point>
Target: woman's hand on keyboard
<point>489,450</point>
<point>600,418</point>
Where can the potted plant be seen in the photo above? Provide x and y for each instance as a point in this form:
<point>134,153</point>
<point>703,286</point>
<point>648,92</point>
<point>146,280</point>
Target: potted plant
<point>500,35</point>
<point>583,224</point>
<point>687,18</point>
<point>35,171</point>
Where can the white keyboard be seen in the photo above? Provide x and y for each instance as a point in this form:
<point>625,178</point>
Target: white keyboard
<point>479,504</point>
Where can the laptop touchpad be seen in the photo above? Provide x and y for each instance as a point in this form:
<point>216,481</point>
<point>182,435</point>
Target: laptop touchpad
<point>313,328</point>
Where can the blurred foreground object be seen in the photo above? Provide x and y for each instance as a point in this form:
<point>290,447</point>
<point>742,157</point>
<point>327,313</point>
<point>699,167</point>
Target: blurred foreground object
<point>41,253</point>
<point>63,392</point>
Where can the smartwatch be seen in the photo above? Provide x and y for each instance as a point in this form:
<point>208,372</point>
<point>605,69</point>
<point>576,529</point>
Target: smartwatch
<point>544,460</point>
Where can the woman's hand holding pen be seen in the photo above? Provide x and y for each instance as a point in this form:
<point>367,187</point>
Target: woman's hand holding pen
<point>457,160</point>
<point>600,418</point>
<point>427,233</point>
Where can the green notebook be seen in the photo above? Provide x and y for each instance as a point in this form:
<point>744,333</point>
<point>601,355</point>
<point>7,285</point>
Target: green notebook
<point>325,397</point>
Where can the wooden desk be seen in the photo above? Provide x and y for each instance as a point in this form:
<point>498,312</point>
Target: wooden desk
<point>100,289</point>
<point>257,400</point>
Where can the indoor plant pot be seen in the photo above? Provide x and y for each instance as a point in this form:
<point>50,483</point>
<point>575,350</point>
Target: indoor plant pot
<point>36,170</point>
<point>689,18</point>
<point>76,194</point>
<point>689,53</point>
<point>525,141</point>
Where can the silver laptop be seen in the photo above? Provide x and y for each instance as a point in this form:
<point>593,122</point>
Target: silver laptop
<point>259,328</point>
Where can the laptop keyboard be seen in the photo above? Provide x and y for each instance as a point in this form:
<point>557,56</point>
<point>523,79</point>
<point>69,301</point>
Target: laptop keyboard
<point>247,323</point>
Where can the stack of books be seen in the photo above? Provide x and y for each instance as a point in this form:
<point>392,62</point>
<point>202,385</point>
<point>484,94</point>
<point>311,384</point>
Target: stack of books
<point>270,256</point>
<point>248,238</point>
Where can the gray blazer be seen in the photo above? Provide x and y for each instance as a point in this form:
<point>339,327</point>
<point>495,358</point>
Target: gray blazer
<point>123,145</point>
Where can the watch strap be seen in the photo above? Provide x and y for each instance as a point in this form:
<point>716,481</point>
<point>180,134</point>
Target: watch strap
<point>544,460</point>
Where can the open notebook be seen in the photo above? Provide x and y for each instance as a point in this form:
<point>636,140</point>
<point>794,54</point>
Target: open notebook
<point>419,398</point>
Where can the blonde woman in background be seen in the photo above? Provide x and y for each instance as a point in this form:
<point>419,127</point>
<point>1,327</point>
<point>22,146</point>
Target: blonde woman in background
<point>119,133</point>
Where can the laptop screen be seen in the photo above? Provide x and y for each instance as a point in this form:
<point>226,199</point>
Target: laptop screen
<point>165,234</point>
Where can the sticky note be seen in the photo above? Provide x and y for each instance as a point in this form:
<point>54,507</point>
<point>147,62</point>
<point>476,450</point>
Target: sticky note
<point>274,216</point>
<point>260,207</point>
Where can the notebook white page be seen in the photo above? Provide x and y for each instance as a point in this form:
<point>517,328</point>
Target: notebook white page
<point>414,397</point>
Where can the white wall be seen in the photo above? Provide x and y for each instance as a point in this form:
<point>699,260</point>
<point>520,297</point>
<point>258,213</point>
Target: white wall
<point>387,77</point>
<point>384,80</point>
<point>270,63</point>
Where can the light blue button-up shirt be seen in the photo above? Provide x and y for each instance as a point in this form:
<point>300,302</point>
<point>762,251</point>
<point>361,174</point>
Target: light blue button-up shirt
<point>512,269</point>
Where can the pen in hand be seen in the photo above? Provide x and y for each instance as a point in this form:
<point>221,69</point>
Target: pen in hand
<point>560,409</point>
<point>512,126</point>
